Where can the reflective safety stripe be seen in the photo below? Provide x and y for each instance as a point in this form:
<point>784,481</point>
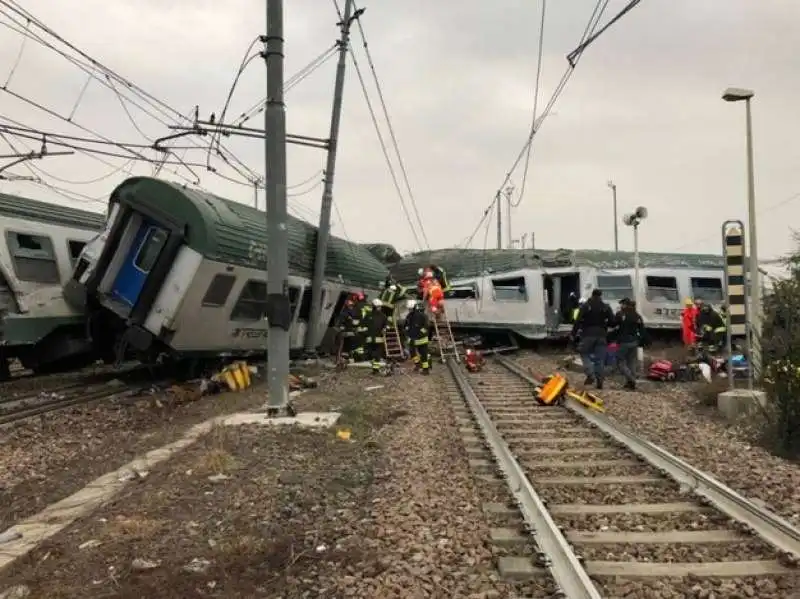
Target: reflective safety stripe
<point>720,329</point>
<point>423,341</point>
<point>378,340</point>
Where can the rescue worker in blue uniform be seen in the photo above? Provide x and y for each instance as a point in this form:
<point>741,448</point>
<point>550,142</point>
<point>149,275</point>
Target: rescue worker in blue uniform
<point>595,318</point>
<point>375,324</point>
<point>417,329</point>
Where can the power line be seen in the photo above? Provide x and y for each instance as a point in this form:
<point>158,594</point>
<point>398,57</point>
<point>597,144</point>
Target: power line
<point>96,71</point>
<point>389,126</point>
<point>535,103</point>
<point>381,140</point>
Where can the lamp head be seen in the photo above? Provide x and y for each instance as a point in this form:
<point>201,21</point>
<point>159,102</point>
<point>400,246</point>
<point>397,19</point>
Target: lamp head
<point>737,94</point>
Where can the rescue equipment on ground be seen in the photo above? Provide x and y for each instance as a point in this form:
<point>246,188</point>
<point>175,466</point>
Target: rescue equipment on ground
<point>661,370</point>
<point>474,360</point>
<point>552,390</point>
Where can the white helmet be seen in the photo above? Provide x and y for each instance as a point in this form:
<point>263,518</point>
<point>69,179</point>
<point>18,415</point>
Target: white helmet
<point>411,304</point>
<point>420,271</point>
<point>377,303</point>
<point>582,300</point>
<point>392,287</point>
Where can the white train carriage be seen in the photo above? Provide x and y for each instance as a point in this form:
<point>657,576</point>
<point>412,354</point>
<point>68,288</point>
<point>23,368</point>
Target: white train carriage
<point>182,272</point>
<point>39,247</point>
<point>527,293</point>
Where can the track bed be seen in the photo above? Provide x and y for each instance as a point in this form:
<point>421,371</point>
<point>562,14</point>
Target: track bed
<point>635,531</point>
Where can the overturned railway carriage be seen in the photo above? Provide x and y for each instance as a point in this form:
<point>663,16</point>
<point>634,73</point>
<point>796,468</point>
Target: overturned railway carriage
<point>526,292</point>
<point>182,272</point>
<point>39,247</point>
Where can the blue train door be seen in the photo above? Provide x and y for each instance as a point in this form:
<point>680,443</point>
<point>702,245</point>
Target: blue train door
<point>142,256</point>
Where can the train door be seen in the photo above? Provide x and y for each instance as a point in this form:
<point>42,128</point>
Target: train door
<point>551,320</point>
<point>142,256</point>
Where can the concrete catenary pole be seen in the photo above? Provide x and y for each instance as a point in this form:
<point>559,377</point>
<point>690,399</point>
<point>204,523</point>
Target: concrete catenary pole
<point>324,232</point>
<point>278,311</point>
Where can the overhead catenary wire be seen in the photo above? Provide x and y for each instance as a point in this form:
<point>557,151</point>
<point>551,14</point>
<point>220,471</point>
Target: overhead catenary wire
<point>591,25</point>
<point>382,142</point>
<point>21,21</point>
<point>390,128</point>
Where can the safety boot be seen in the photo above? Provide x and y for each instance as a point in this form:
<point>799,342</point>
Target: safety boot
<point>589,380</point>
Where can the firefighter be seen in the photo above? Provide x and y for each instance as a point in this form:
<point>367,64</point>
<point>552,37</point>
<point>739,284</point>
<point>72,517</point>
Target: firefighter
<point>348,321</point>
<point>417,332</point>
<point>573,307</point>
<point>688,317</point>
<point>440,275</point>
<point>361,308</point>
<point>392,292</point>
<point>375,325</point>
<point>434,295</point>
<point>711,327</point>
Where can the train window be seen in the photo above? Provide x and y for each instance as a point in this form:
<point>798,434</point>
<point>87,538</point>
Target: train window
<point>75,249</point>
<point>218,291</point>
<point>34,258</point>
<point>615,287</point>
<point>469,291</point>
<point>252,302</point>
<point>707,288</point>
<point>305,305</point>
<point>662,289</point>
<point>510,290</point>
<point>150,250</point>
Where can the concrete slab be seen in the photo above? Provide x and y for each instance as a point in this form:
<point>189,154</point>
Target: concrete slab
<point>594,451</point>
<point>500,509</point>
<point>481,465</point>
<point>581,464</point>
<point>688,537</point>
<point>682,570</point>
<point>602,480</point>
<point>576,509</point>
<point>506,537</point>
<point>490,478</point>
<point>738,403</point>
<point>518,568</point>
<point>307,419</point>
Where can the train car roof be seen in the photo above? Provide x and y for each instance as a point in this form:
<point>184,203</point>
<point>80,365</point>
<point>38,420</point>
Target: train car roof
<point>234,233</point>
<point>465,263</point>
<point>44,212</point>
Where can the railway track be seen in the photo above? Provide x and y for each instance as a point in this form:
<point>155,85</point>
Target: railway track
<point>89,388</point>
<point>604,512</point>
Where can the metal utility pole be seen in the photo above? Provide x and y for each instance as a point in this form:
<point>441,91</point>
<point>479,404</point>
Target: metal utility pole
<point>278,308</point>
<point>613,187</point>
<point>499,203</point>
<point>509,191</point>
<point>324,231</point>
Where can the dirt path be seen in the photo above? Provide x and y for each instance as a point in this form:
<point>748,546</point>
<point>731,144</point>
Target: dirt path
<point>281,512</point>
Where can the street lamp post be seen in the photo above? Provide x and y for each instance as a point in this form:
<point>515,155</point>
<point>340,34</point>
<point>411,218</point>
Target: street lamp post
<point>613,188</point>
<point>634,220</point>
<point>733,94</point>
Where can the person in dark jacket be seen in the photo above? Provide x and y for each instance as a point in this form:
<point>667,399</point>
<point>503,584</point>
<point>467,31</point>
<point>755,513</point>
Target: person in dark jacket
<point>595,318</point>
<point>630,335</point>
<point>375,324</point>
<point>417,329</point>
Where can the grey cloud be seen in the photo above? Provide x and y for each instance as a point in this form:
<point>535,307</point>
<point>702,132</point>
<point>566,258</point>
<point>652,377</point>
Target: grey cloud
<point>642,108</point>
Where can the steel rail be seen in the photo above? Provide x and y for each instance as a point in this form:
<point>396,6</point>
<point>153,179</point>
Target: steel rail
<point>765,523</point>
<point>562,563</point>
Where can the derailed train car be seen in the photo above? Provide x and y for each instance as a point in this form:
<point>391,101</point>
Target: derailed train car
<point>527,292</point>
<point>181,273</point>
<point>39,247</point>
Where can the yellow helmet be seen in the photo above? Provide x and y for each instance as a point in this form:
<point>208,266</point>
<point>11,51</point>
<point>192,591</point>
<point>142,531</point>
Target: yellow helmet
<point>688,301</point>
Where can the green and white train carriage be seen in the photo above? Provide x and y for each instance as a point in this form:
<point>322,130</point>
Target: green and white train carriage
<point>182,272</point>
<point>39,247</point>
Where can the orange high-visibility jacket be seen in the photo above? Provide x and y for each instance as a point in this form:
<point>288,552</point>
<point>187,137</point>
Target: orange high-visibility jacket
<point>688,317</point>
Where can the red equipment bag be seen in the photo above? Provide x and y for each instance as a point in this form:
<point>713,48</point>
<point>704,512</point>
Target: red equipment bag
<point>661,370</point>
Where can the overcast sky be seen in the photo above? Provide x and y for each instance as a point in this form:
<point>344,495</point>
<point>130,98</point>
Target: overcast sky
<point>643,108</point>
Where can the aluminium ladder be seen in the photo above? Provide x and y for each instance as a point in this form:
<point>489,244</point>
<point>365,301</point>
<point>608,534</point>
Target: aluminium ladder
<point>392,342</point>
<point>444,335</point>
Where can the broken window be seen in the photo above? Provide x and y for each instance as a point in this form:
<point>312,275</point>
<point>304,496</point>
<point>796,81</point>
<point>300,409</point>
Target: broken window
<point>662,289</point>
<point>34,258</point>
<point>75,248</point>
<point>615,287</point>
<point>708,289</point>
<point>512,289</point>
<point>150,250</point>
<point>218,291</point>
